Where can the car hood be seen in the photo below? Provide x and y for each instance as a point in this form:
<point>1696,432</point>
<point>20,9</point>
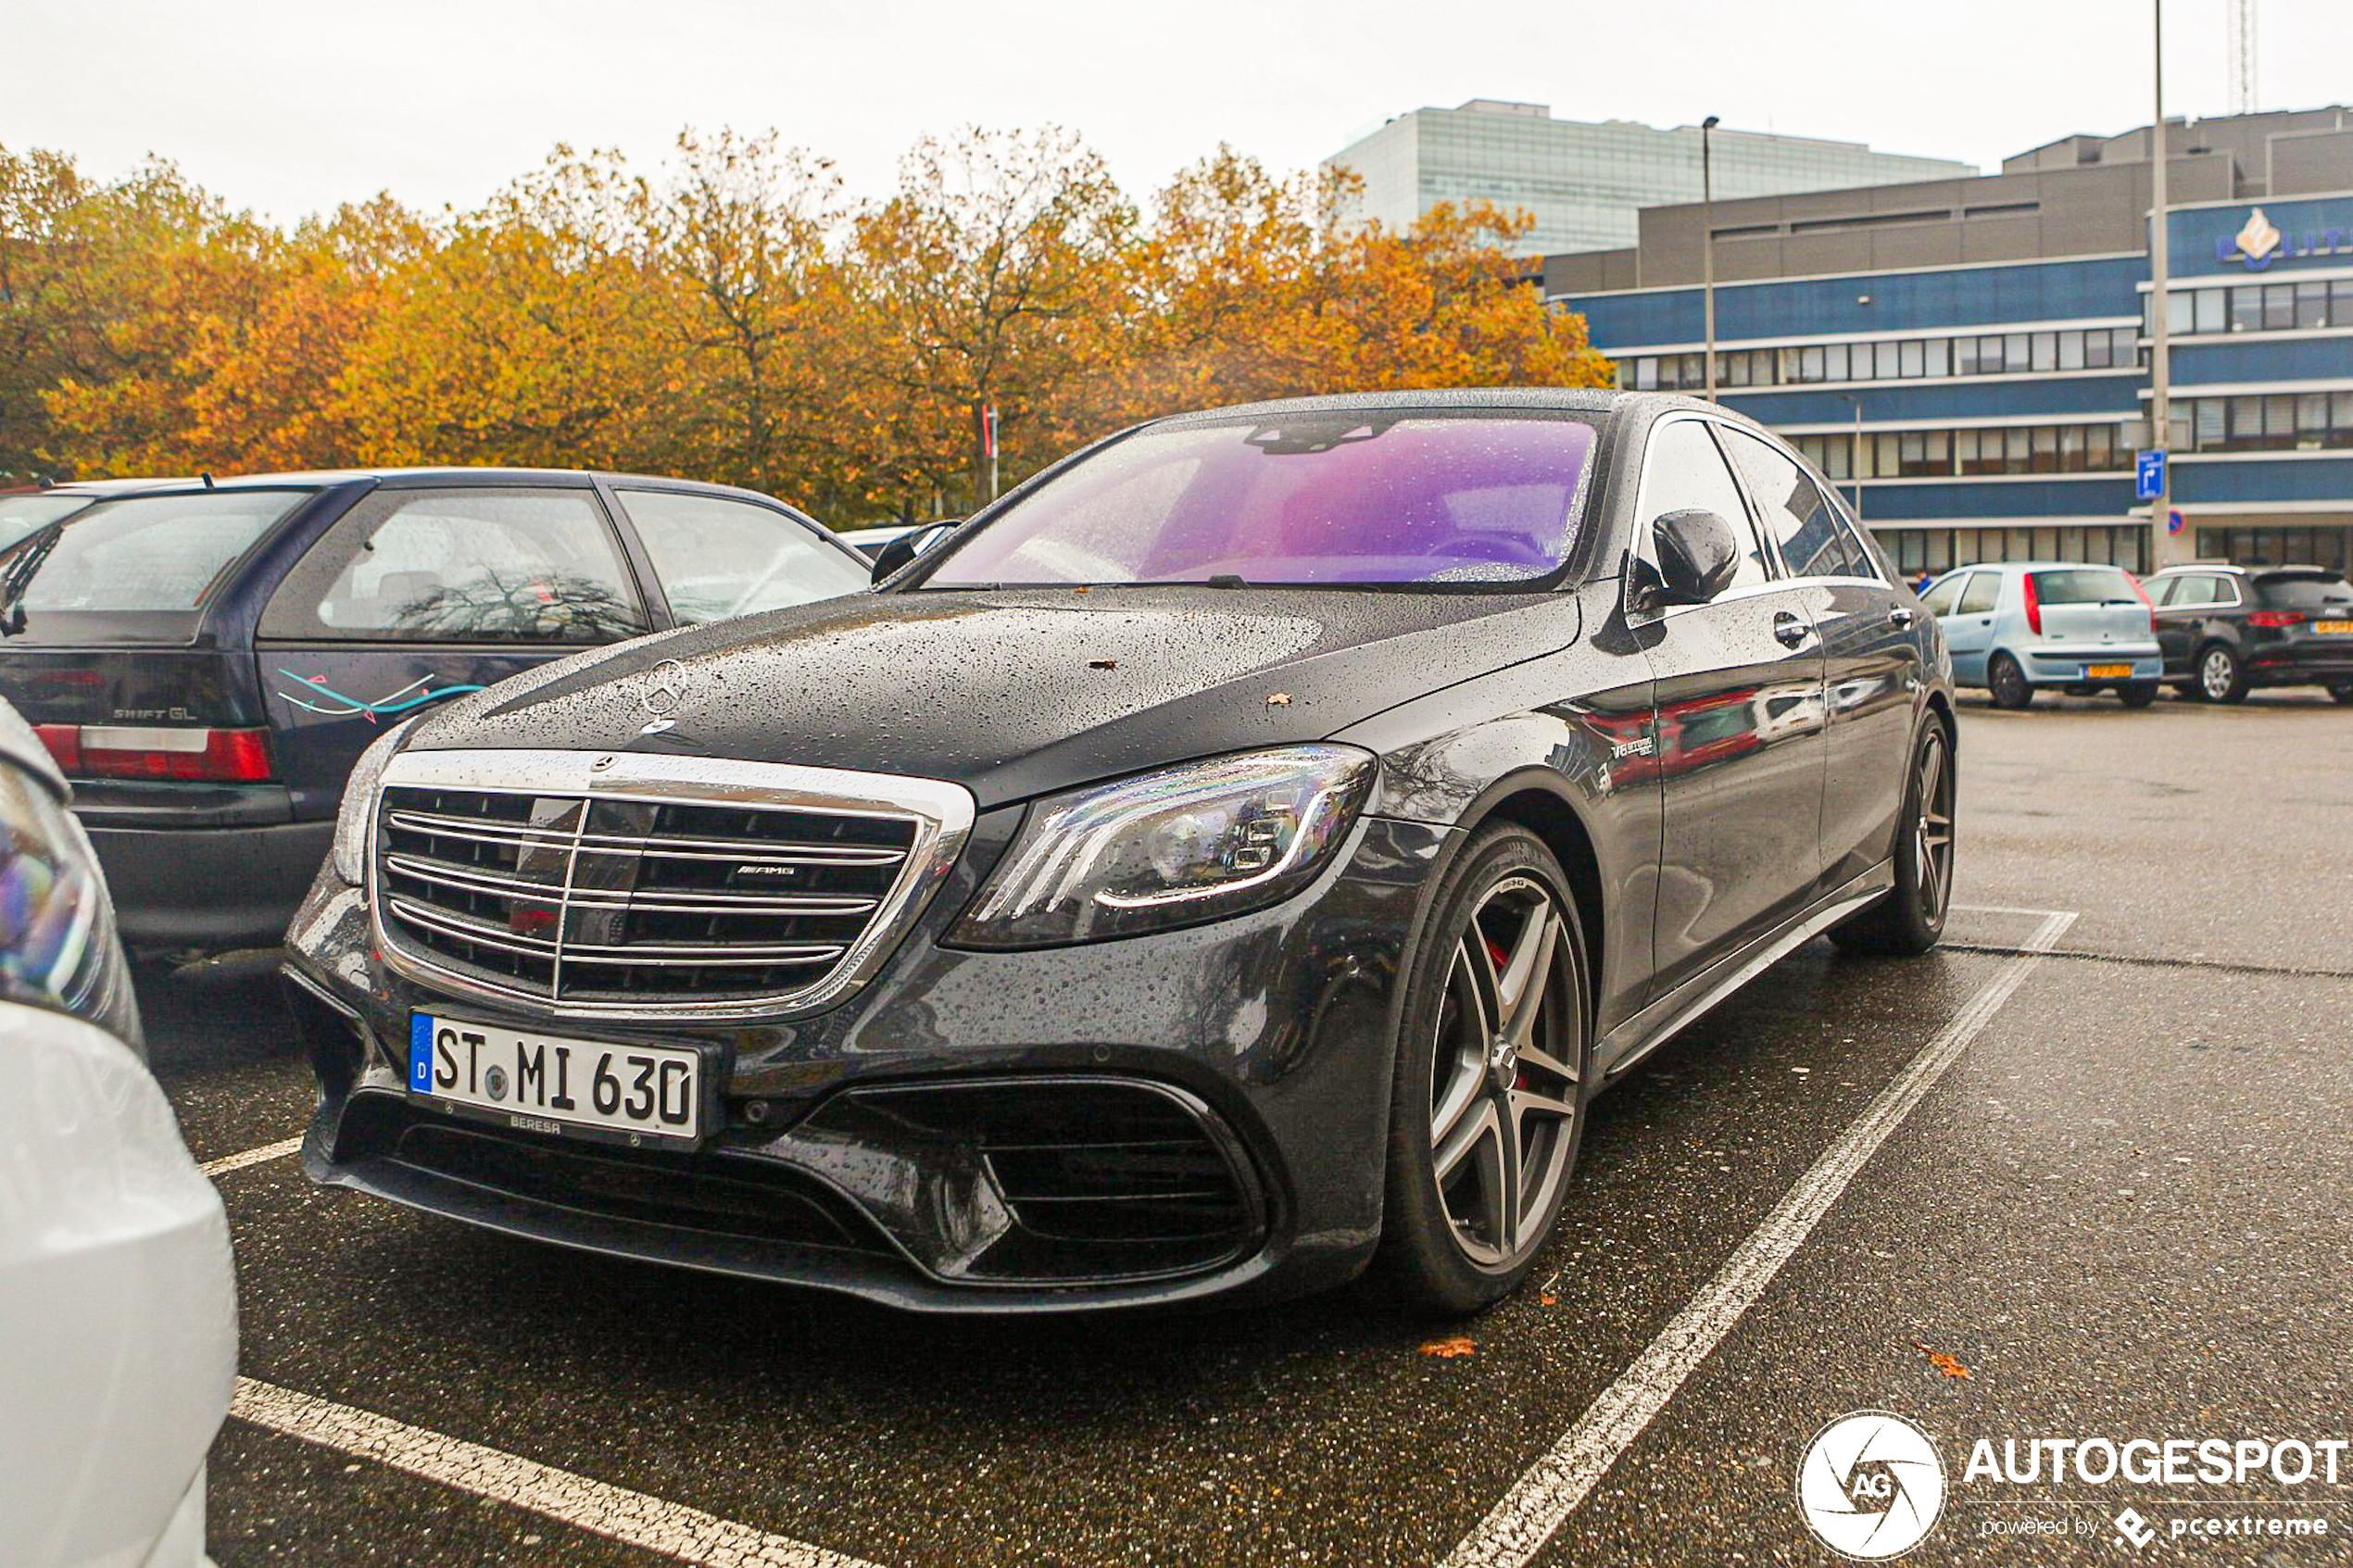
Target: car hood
<point>1011,693</point>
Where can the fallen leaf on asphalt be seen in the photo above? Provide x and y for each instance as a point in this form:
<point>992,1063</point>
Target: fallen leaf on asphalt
<point>1103,664</point>
<point>1949,1365</point>
<point>1279,699</point>
<point>1455,1345</point>
<point>1549,1299</point>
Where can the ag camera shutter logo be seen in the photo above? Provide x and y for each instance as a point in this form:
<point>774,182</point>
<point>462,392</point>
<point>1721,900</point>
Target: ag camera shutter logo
<point>1871,1486</point>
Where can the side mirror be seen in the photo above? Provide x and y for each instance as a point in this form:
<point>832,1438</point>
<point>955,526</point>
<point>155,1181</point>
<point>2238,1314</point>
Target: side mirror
<point>1698,557</point>
<point>906,547</point>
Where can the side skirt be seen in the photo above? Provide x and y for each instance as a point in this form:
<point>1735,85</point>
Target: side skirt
<point>1660,1021</point>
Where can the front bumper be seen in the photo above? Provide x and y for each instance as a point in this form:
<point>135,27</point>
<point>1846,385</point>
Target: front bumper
<point>1193,1113</point>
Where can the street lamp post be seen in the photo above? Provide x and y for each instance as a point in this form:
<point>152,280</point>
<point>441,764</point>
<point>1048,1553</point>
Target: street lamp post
<point>2164,549</point>
<point>1854,463</point>
<point>1707,248</point>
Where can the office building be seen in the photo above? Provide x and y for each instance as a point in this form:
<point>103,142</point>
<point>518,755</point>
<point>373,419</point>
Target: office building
<point>1970,358</point>
<point>1583,183</point>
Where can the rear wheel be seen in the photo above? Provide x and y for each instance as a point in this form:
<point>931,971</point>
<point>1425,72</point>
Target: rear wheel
<point>2342,694</point>
<point>2220,676</point>
<point>2008,683</point>
<point>1489,1105</point>
<point>2137,694</point>
<point>1911,917</point>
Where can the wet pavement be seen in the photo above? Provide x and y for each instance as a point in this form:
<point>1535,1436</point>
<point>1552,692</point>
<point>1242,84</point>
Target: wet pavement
<point>2120,1211</point>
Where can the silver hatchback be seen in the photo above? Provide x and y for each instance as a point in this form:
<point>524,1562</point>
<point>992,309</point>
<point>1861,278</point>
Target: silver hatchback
<point>2018,626</point>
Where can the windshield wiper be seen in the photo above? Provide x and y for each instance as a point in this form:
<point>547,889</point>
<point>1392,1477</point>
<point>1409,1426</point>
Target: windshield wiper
<point>16,578</point>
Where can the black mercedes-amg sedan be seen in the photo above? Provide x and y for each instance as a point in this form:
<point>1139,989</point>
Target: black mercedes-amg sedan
<point>1231,861</point>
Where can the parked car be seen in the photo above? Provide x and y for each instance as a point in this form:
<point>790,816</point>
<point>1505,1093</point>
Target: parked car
<point>117,1303</point>
<point>2228,629</point>
<point>1230,861</point>
<point>208,661</point>
<point>2019,627</point>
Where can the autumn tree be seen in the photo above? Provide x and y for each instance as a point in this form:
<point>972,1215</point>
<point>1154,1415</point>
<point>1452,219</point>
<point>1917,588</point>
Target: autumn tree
<point>972,281</point>
<point>737,242</point>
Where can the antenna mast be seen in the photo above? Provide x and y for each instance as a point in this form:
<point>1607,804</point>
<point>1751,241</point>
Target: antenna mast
<point>2241,54</point>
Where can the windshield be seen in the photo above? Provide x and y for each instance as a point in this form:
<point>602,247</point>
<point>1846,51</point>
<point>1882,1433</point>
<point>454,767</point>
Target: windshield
<point>2088,585</point>
<point>1328,499</point>
<point>19,515</point>
<point>2305,593</point>
<point>149,553</point>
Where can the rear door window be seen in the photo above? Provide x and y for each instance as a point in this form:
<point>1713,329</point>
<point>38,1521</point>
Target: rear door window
<point>1940,597</point>
<point>1803,524</point>
<point>143,553</point>
<point>1984,591</point>
<point>718,558</point>
<point>508,564</point>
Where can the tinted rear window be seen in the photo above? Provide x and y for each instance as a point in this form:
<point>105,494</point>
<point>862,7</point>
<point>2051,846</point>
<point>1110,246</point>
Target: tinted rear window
<point>19,515</point>
<point>149,553</point>
<point>2304,593</point>
<point>2086,585</point>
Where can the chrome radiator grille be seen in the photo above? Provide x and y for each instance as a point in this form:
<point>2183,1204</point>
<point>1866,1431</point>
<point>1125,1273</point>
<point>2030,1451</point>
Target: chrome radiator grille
<point>647,890</point>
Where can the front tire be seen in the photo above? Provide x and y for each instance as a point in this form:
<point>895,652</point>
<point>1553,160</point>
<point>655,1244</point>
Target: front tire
<point>1909,918</point>
<point>1492,1066</point>
<point>2008,683</point>
<point>2220,676</point>
<point>2139,693</point>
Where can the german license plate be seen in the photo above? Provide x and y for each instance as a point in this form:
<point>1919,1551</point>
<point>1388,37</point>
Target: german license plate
<point>2107,671</point>
<point>2334,628</point>
<point>544,1082</point>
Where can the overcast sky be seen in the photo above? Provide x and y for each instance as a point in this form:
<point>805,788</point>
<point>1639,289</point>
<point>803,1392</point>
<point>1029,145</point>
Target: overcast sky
<point>291,107</point>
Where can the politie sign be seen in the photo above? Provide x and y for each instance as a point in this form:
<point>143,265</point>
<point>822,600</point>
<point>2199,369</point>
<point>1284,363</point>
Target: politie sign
<point>2261,242</point>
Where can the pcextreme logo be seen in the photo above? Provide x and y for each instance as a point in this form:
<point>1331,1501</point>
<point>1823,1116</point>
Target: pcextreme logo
<point>1871,1486</point>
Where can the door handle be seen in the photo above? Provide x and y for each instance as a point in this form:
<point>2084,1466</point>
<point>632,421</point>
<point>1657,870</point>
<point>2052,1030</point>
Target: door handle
<point>1789,629</point>
<point>1900,616</point>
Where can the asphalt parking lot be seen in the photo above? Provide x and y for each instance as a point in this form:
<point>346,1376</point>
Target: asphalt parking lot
<point>2106,1180</point>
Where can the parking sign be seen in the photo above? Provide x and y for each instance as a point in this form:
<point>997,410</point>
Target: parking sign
<point>2148,474</point>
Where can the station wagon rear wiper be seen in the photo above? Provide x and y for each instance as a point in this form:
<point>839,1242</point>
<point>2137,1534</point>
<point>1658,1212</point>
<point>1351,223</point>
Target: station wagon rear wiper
<point>17,577</point>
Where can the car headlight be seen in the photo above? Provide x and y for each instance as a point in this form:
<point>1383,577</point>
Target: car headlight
<point>359,801</point>
<point>59,947</point>
<point>1178,846</point>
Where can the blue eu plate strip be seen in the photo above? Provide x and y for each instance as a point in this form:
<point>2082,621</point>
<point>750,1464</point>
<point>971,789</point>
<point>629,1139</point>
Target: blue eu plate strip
<point>420,1053</point>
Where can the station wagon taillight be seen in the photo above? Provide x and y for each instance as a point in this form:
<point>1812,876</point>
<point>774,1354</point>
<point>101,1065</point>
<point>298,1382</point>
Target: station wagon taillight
<point>140,751</point>
<point>2275,618</point>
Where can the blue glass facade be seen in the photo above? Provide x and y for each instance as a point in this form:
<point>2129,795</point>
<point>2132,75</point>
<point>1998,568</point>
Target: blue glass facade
<point>2000,405</point>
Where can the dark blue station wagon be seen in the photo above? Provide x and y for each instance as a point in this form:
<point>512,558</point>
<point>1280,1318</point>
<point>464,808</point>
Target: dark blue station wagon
<point>207,660</point>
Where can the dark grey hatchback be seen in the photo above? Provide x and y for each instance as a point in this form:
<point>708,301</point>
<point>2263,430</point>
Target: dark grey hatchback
<point>1229,861</point>
<point>207,660</point>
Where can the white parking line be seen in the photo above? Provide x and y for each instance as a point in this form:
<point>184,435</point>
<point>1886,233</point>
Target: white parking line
<point>630,1517</point>
<point>1542,1500</point>
<point>229,1162</point>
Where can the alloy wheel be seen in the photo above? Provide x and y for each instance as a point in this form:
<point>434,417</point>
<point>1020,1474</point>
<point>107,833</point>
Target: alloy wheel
<point>1504,1082</point>
<point>2217,674</point>
<point>1932,829</point>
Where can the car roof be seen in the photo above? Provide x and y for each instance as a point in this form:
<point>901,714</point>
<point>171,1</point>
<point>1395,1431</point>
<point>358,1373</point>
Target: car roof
<point>1567,399</point>
<point>2234,569</point>
<point>427,474</point>
<point>2035,566</point>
